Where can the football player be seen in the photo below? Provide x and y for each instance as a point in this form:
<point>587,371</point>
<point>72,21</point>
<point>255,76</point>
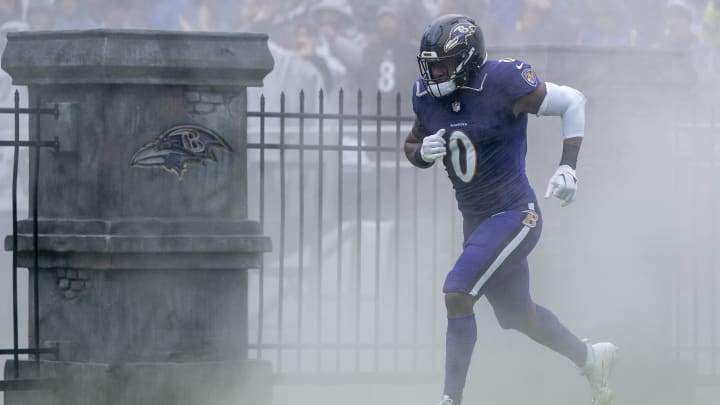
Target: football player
<point>472,114</point>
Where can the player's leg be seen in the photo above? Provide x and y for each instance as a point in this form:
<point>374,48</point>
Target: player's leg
<point>486,248</point>
<point>515,309</point>
<point>509,295</point>
<point>460,339</point>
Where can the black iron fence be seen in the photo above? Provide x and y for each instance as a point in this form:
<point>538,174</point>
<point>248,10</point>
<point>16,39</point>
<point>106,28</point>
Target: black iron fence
<point>351,289</point>
<point>31,380</point>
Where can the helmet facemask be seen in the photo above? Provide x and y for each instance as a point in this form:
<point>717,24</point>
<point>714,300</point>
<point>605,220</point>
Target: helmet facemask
<point>444,85</point>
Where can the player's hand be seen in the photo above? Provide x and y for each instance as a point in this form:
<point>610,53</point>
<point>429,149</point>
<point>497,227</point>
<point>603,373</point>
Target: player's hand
<point>563,185</point>
<point>433,147</point>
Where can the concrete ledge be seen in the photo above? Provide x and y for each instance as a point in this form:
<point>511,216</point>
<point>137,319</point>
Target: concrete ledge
<point>65,243</point>
<point>156,243</point>
<point>147,262</point>
<point>141,226</point>
<point>142,236</point>
<point>137,57</point>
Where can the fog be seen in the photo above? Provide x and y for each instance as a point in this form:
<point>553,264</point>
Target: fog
<point>633,260</point>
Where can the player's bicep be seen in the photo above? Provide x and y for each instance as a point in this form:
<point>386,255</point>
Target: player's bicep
<point>530,103</point>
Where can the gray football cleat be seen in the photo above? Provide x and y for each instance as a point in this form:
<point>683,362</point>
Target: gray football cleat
<point>601,359</point>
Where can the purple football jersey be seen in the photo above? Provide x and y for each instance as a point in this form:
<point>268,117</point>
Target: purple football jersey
<point>486,144</point>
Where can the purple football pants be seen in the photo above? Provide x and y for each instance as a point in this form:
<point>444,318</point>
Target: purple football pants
<point>493,249</point>
<point>494,263</point>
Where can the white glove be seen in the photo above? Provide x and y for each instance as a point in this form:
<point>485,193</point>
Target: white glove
<point>433,147</point>
<point>563,185</point>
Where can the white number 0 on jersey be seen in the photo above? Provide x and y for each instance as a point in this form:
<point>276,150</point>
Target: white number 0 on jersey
<point>460,139</point>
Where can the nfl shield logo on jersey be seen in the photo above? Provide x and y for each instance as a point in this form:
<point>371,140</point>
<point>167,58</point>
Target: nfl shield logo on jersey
<point>456,106</point>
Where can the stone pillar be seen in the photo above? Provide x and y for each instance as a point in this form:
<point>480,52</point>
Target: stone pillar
<point>145,240</point>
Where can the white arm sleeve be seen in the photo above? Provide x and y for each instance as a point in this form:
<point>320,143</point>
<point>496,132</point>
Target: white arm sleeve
<point>568,103</point>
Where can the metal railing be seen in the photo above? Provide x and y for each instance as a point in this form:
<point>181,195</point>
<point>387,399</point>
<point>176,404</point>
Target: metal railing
<point>340,297</point>
<point>18,383</point>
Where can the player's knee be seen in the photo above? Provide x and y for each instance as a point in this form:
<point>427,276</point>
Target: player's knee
<point>459,304</point>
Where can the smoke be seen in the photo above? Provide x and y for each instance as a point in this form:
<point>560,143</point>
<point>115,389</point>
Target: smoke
<point>632,260</point>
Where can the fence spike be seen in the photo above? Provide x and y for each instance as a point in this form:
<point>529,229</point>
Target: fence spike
<point>341,94</point>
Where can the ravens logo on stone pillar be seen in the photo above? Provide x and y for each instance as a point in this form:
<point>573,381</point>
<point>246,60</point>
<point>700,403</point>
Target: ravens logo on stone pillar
<point>177,147</point>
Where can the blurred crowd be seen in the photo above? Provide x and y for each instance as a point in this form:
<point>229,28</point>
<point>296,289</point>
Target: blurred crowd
<point>372,44</point>
<point>332,43</point>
